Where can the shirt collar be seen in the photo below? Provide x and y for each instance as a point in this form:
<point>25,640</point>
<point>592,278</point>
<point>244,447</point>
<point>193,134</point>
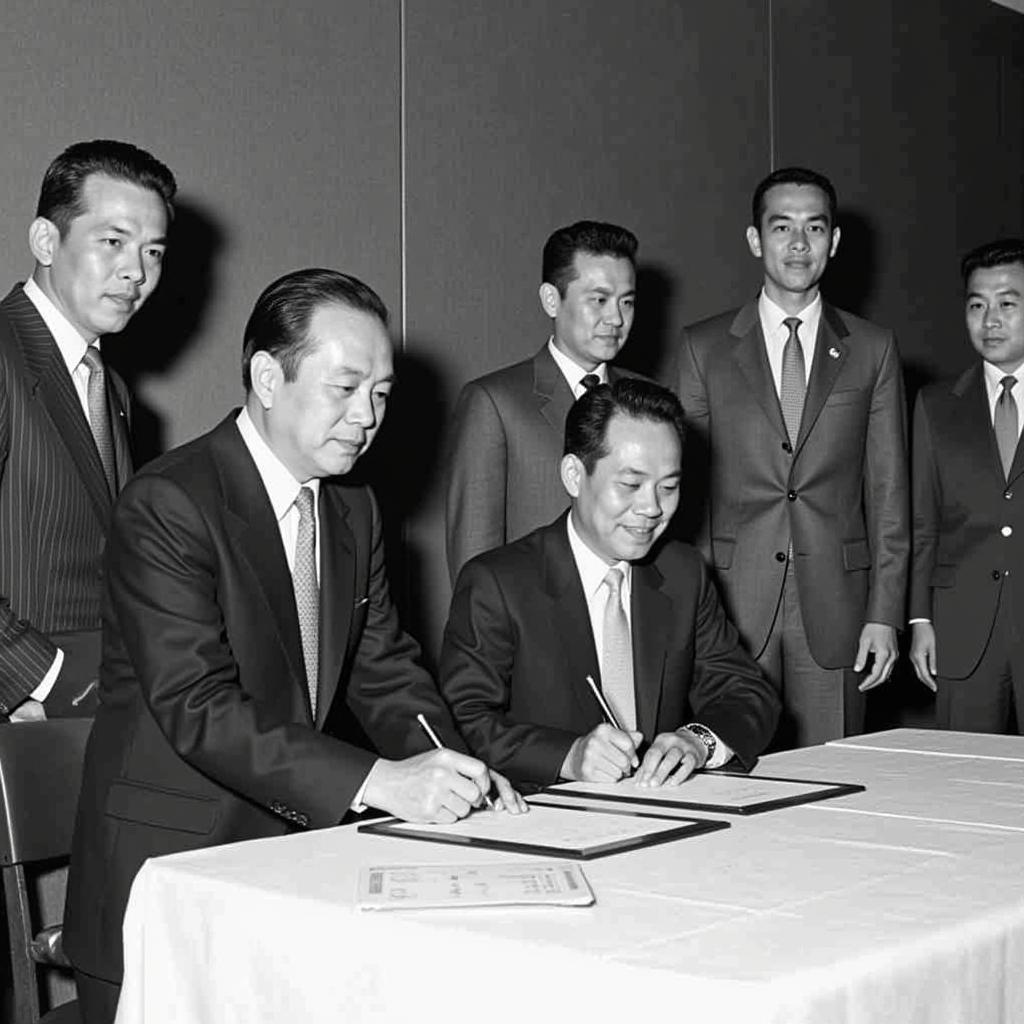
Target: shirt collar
<point>71,344</point>
<point>282,488</point>
<point>592,568</point>
<point>572,372</point>
<point>772,315</point>
<point>993,375</point>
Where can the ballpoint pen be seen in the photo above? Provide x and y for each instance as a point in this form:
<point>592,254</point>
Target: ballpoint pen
<point>432,736</point>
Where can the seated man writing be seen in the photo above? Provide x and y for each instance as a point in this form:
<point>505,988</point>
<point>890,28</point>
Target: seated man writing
<point>591,596</point>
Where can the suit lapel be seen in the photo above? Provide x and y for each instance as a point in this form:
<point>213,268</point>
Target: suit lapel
<point>250,519</point>
<point>977,423</point>
<point>651,627</point>
<point>830,354</point>
<point>119,428</point>
<point>551,391</point>
<point>562,586</point>
<point>751,357</point>
<point>51,383</point>
<point>337,592</point>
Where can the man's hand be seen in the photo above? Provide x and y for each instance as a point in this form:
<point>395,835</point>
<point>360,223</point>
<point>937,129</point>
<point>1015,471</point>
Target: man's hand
<point>508,799</point>
<point>880,640</point>
<point>28,710</point>
<point>439,786</point>
<point>672,758</point>
<point>605,754</point>
<point>922,653</point>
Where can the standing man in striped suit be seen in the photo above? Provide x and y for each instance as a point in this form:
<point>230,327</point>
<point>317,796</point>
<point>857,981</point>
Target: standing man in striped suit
<point>98,240</point>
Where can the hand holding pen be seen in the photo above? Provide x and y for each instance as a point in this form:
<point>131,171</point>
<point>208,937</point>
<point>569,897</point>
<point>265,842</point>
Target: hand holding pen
<point>607,753</point>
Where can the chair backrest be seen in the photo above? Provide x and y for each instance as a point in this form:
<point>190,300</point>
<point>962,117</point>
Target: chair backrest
<point>40,776</point>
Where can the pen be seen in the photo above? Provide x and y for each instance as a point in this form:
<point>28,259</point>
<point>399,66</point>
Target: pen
<point>606,708</point>
<point>432,736</point>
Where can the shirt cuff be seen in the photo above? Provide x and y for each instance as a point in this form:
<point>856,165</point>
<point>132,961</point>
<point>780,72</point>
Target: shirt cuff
<point>723,752</point>
<point>358,806</point>
<point>42,691</point>
<point>912,621</point>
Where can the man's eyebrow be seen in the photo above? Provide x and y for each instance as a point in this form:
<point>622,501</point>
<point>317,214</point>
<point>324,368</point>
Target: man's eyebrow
<point>123,232</point>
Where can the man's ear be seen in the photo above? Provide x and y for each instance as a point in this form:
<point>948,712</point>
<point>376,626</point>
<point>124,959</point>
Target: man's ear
<point>266,377</point>
<point>550,300</point>
<point>572,471</point>
<point>43,239</point>
<point>835,241</point>
<point>754,241</point>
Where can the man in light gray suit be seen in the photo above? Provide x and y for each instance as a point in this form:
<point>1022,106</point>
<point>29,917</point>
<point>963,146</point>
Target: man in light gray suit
<point>506,438</point>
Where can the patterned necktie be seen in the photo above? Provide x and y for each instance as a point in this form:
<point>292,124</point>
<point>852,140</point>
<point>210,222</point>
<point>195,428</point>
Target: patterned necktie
<point>617,655</point>
<point>794,380</point>
<point>1005,424</point>
<point>307,591</point>
<point>99,415</point>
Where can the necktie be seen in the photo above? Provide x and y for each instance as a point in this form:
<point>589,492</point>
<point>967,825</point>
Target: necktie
<point>617,655</point>
<point>590,380</point>
<point>99,414</point>
<point>307,591</point>
<point>794,380</point>
<point>1005,424</point>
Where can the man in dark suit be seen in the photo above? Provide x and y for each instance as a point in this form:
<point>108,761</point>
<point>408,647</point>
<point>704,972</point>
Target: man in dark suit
<point>506,434</point>
<point>799,425</point>
<point>255,678</point>
<point>968,485</point>
<point>98,241</point>
<point>585,598</point>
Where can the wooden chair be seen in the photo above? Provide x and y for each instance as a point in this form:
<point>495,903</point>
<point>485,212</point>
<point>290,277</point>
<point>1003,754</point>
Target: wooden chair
<point>40,776</point>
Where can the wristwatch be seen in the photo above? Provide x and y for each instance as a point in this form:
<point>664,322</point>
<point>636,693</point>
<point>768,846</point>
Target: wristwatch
<point>706,736</point>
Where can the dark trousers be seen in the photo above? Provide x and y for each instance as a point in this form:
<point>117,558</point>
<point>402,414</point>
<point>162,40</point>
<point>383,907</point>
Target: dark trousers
<point>97,999</point>
<point>818,704</point>
<point>991,698</point>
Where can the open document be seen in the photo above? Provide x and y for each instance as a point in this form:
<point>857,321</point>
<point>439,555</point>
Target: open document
<point>576,831</point>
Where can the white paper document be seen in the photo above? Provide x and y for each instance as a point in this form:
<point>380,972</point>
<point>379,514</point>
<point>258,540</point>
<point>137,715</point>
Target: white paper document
<point>521,883</point>
<point>711,791</point>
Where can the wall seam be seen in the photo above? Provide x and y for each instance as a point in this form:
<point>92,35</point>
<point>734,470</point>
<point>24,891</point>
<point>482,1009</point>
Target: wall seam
<point>771,85</point>
<point>402,199</point>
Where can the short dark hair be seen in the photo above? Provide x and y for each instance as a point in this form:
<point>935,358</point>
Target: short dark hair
<point>992,254</point>
<point>60,197</point>
<point>279,322</point>
<point>588,236</point>
<point>793,176</point>
<point>586,426</point>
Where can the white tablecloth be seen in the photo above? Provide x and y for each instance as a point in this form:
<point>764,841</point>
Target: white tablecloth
<point>904,903</point>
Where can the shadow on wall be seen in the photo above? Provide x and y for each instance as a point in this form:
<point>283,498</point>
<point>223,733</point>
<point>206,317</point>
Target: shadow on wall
<point>405,466</point>
<point>650,349</point>
<point>169,323</point>
<point>853,273</point>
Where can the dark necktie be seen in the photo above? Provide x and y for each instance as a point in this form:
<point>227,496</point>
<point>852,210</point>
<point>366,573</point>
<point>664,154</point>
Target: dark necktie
<point>307,591</point>
<point>617,654</point>
<point>794,380</point>
<point>590,380</point>
<point>1005,423</point>
<point>99,415</point>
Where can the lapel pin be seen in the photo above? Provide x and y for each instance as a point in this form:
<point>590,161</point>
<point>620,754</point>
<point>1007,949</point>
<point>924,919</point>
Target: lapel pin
<point>834,352</point>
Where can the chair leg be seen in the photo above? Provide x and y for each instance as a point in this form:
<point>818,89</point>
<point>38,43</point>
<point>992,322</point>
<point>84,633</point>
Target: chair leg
<point>19,929</point>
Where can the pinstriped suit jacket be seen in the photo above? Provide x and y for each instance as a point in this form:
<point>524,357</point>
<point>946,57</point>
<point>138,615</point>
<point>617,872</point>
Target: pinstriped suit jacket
<point>54,499</point>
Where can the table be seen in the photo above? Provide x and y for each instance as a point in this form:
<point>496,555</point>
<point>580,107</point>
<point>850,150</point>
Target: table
<point>903,903</point>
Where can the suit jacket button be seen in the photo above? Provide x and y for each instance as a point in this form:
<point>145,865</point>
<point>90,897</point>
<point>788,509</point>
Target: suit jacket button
<point>1007,531</point>
<point>780,556</point>
<point>996,574</point>
<point>791,495</point>
<point>787,447</point>
<point>1007,495</point>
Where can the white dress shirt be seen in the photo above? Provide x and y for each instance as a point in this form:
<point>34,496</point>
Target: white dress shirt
<point>574,373</point>
<point>993,375</point>
<point>592,570</point>
<point>776,333</point>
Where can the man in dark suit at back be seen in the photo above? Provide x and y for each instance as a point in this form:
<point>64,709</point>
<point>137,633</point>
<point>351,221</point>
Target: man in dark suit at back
<point>506,433</point>
<point>255,678</point>
<point>966,607</point>
<point>798,408</point>
<point>590,595</point>
<point>98,241</point>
